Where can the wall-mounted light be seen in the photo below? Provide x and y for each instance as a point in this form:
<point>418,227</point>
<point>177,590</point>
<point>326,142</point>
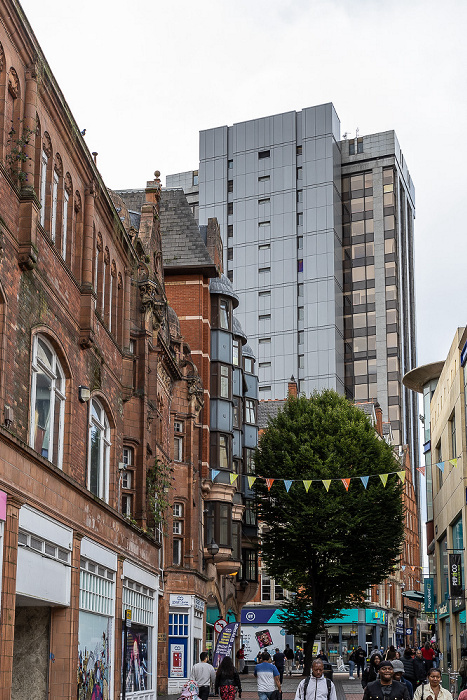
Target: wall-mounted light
<point>84,394</point>
<point>213,549</point>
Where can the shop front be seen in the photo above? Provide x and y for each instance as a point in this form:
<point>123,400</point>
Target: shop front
<point>186,614</point>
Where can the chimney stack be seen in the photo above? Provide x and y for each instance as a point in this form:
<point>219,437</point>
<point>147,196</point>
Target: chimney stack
<point>292,389</point>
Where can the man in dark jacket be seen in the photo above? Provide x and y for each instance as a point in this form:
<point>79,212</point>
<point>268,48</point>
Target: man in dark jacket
<point>386,688</point>
<point>409,670</point>
<point>360,657</point>
<point>278,660</point>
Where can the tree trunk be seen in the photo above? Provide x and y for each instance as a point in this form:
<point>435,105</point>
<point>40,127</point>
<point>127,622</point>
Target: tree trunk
<point>309,641</point>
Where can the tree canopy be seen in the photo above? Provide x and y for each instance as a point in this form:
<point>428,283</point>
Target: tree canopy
<point>328,546</point>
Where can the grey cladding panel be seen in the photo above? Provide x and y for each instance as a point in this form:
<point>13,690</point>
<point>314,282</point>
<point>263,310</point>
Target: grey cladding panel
<point>221,347</point>
<point>250,436</point>
<point>252,386</point>
<point>221,415</point>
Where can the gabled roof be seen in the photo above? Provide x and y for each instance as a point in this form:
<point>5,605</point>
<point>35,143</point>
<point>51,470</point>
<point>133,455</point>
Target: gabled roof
<point>182,244</point>
<point>268,409</point>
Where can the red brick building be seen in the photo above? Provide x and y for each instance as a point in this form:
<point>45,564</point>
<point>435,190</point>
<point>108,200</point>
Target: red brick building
<point>94,375</point>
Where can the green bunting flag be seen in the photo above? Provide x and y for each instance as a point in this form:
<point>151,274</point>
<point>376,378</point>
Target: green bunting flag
<point>384,478</point>
<point>251,481</point>
<point>453,462</point>
<point>327,483</point>
<point>307,484</point>
<point>233,477</point>
<point>401,476</point>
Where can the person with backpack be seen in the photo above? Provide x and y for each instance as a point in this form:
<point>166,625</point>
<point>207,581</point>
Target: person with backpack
<point>316,686</point>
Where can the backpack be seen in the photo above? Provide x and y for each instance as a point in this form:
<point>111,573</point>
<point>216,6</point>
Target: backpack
<point>307,681</point>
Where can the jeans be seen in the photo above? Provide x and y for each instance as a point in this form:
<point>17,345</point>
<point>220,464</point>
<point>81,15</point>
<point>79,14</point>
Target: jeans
<point>264,696</point>
<point>203,692</point>
<point>351,668</point>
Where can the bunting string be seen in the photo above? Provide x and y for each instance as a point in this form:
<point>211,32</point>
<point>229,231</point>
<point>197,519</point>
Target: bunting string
<point>326,482</point>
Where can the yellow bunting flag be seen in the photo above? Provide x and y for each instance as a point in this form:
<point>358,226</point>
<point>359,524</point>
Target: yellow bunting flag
<point>401,476</point>
<point>251,481</point>
<point>384,478</point>
<point>269,483</point>
<point>306,484</point>
<point>453,462</point>
<point>346,483</point>
<point>233,477</point>
<point>327,483</point>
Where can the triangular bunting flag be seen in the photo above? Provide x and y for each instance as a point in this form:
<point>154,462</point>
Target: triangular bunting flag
<point>327,483</point>
<point>287,484</point>
<point>251,481</point>
<point>401,476</point>
<point>214,473</point>
<point>269,483</point>
<point>306,484</point>
<point>364,480</point>
<point>440,465</point>
<point>346,483</point>
<point>413,568</point>
<point>233,477</point>
<point>403,568</point>
<point>421,470</point>
<point>384,478</point>
<point>453,462</point>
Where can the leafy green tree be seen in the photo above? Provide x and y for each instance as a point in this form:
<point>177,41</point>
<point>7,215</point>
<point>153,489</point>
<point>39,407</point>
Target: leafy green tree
<point>328,546</point>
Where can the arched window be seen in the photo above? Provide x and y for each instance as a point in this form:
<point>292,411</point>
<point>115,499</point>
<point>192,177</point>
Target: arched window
<point>99,451</point>
<point>46,176</point>
<point>47,402</point>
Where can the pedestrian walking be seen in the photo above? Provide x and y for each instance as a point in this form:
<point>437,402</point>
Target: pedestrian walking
<point>227,680</point>
<point>391,653</point>
<point>370,674</point>
<point>398,667</point>
<point>267,676</point>
<point>316,686</point>
<point>322,655</point>
<point>408,661</point>
<point>298,658</point>
<point>429,656</point>
<point>352,665</point>
<point>385,687</point>
<point>463,670</point>
<point>241,658</point>
<point>360,659</point>
<point>419,668</point>
<point>204,675</point>
<point>278,660</point>
<point>433,690</point>
<point>288,653</point>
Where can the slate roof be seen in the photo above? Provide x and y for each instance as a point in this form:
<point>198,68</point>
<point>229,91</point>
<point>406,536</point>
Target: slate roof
<point>247,351</point>
<point>222,285</point>
<point>182,244</point>
<point>237,328</point>
<point>268,409</point>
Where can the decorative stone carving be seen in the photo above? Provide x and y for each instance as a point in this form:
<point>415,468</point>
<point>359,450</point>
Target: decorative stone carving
<point>58,164</point>
<point>113,269</point>
<point>68,184</point>
<point>2,58</point>
<point>13,83</point>
<point>106,256</point>
<point>120,281</point>
<point>100,244</point>
<point>47,144</point>
<point>77,201</point>
<point>152,302</point>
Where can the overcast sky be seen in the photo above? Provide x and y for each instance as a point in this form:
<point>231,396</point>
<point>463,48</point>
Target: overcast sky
<point>144,77</point>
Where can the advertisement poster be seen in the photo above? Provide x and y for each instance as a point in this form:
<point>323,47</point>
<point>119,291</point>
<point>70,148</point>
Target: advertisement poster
<point>263,638</point>
<point>225,642</point>
<point>138,658</point>
<point>455,575</point>
<point>177,652</point>
<point>93,656</point>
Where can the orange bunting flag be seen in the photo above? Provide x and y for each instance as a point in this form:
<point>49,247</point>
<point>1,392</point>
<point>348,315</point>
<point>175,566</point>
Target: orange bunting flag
<point>401,476</point>
<point>306,484</point>
<point>269,483</point>
<point>384,478</point>
<point>251,481</point>
<point>421,470</point>
<point>453,462</point>
<point>233,477</point>
<point>346,483</point>
<point>327,483</point>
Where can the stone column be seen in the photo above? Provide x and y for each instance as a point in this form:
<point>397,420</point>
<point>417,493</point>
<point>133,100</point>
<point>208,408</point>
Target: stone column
<point>64,624</point>
<point>7,619</point>
<point>29,201</point>
<point>87,293</point>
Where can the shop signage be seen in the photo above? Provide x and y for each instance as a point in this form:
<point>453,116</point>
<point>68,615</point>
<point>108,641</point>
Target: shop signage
<point>225,642</point>
<point>128,618</point>
<point>199,604</point>
<point>220,624</point>
<point>162,637</point>
<point>399,625</point>
<point>429,595</point>
<point>180,601</point>
<point>177,660</point>
<point>409,630</point>
<point>455,575</point>
<point>443,609</point>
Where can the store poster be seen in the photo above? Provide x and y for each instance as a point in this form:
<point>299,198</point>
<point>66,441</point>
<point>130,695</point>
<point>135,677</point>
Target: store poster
<point>138,659</point>
<point>94,656</point>
<point>177,660</point>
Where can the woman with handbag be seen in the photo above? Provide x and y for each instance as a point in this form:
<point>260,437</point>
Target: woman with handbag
<point>227,680</point>
<point>433,690</point>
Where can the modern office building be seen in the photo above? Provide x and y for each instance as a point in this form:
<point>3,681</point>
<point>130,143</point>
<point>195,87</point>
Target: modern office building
<point>318,243</point>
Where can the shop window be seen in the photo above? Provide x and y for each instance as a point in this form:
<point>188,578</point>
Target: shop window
<point>140,600</point>
<point>178,625</point>
<point>47,402</point>
<point>99,451</point>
